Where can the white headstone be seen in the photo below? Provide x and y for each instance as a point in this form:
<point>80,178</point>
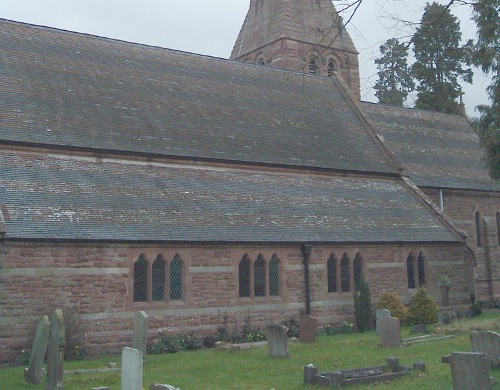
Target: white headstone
<point>277,341</point>
<point>55,352</point>
<point>132,369</point>
<point>381,313</point>
<point>34,372</point>
<point>140,331</point>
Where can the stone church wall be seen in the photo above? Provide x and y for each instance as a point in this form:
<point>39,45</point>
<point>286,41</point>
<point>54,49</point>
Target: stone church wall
<point>461,207</point>
<point>96,281</point>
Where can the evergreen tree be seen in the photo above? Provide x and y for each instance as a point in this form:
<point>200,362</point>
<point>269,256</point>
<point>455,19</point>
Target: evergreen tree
<point>440,60</point>
<point>395,80</point>
<point>487,56</point>
<point>363,306</point>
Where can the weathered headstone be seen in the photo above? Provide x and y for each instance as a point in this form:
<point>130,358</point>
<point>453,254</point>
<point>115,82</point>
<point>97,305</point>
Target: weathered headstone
<point>55,351</point>
<point>157,386</point>
<point>132,369</point>
<point>381,313</point>
<point>308,327</point>
<point>140,331</point>
<point>445,297</point>
<point>310,372</point>
<point>469,370</point>
<point>277,341</point>
<point>34,372</point>
<point>487,343</point>
<point>390,332</point>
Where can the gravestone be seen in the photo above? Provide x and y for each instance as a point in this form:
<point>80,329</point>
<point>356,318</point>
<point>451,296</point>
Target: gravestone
<point>55,351</point>
<point>381,313</point>
<point>390,332</point>
<point>469,370</point>
<point>277,341</point>
<point>34,372</point>
<point>157,386</point>
<point>140,331</point>
<point>132,369</point>
<point>487,343</point>
<point>308,327</point>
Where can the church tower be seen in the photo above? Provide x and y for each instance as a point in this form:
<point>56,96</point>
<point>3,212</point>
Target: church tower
<point>298,35</point>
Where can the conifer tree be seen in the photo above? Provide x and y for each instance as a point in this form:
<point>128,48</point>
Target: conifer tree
<point>440,60</point>
<point>395,81</point>
<point>363,306</point>
<point>487,56</point>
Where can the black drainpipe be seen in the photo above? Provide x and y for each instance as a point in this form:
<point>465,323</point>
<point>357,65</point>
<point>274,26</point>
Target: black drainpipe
<point>306,252</point>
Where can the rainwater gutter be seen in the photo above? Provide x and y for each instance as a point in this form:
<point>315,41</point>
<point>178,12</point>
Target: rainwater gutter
<point>306,253</point>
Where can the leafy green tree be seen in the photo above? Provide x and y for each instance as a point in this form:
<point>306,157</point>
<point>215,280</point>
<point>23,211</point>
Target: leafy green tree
<point>440,60</point>
<point>363,306</point>
<point>395,81</point>
<point>487,56</point>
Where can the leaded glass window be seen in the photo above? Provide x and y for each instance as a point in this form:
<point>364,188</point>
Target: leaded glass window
<point>141,280</point>
<point>259,273</point>
<point>421,269</point>
<point>158,280</point>
<point>274,277</point>
<point>345,274</point>
<point>410,271</point>
<point>244,277</point>
<point>479,229</point>
<point>357,267</point>
<point>313,68</point>
<point>176,279</point>
<point>332,274</point>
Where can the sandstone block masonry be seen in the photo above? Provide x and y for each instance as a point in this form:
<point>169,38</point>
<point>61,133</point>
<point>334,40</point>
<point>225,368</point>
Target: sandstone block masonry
<point>96,281</point>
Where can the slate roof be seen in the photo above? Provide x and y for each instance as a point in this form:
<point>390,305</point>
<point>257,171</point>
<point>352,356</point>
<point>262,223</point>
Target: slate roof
<point>50,197</point>
<point>436,150</point>
<point>68,89</point>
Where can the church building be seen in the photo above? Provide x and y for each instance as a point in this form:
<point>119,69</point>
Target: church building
<point>197,188</point>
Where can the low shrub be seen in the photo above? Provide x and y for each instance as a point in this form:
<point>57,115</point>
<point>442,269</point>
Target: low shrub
<point>423,309</point>
<point>476,309</point>
<point>391,301</point>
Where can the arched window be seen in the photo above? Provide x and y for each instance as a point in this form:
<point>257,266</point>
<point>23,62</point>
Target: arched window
<point>259,277</point>
<point>244,277</point>
<point>274,277</point>
<point>262,62</point>
<point>158,279</point>
<point>313,68</point>
<point>421,269</point>
<point>345,274</point>
<point>479,229</point>
<point>357,268</point>
<point>498,228</point>
<point>176,279</point>
<point>141,279</point>
<point>332,273</point>
<point>410,270</point>
<point>331,68</point>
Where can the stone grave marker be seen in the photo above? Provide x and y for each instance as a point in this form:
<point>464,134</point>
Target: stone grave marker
<point>157,386</point>
<point>132,369</point>
<point>419,328</point>
<point>390,332</point>
<point>140,331</point>
<point>469,370</point>
<point>487,343</point>
<point>55,351</point>
<point>381,313</point>
<point>277,341</point>
<point>34,372</point>
<point>308,328</point>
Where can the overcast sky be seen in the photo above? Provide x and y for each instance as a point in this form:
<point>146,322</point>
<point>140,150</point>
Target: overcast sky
<point>211,27</point>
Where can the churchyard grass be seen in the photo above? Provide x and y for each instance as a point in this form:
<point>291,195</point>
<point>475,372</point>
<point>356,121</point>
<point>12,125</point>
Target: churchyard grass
<point>254,369</point>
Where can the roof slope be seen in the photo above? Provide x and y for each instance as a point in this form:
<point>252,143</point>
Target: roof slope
<point>49,197</point>
<point>315,22</point>
<point>68,89</point>
<point>436,150</point>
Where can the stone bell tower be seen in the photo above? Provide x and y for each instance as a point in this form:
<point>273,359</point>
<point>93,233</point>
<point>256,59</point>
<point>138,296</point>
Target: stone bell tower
<point>298,35</point>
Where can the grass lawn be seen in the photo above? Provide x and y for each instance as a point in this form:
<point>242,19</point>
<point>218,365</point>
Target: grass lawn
<point>254,369</point>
